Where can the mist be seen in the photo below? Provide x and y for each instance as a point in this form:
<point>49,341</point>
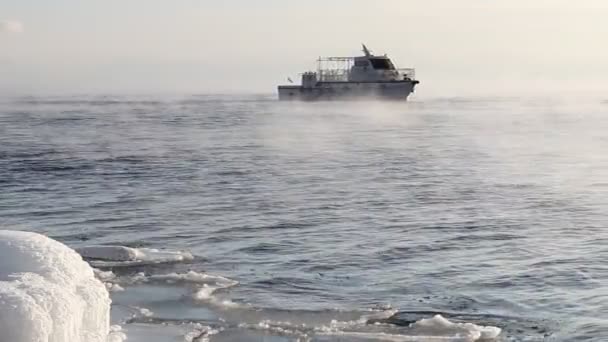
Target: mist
<point>472,47</point>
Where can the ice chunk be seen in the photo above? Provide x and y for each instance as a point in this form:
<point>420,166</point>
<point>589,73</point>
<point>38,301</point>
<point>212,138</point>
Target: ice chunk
<point>436,329</point>
<point>146,312</point>
<point>48,293</point>
<point>112,287</point>
<point>104,275</point>
<point>438,325</point>
<point>194,277</point>
<point>115,256</point>
<point>111,253</point>
<point>204,293</point>
<point>116,334</point>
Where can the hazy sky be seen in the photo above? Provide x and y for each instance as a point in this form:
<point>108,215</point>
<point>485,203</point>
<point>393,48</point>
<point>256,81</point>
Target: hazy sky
<point>198,46</point>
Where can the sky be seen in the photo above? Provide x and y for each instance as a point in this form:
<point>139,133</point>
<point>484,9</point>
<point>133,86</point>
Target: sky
<point>202,46</point>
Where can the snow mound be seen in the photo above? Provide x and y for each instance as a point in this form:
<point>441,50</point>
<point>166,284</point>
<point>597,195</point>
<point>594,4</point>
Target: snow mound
<point>48,293</point>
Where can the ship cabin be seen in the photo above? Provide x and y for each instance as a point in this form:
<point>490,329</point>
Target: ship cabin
<point>362,69</point>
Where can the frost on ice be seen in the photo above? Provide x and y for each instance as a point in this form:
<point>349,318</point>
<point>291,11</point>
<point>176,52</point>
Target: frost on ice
<point>48,293</point>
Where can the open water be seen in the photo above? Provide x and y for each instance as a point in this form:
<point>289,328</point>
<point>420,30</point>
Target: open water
<point>325,221</point>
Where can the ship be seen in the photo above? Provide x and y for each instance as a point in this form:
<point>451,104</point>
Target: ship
<point>363,77</point>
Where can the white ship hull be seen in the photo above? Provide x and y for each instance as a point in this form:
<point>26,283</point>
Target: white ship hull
<point>394,90</point>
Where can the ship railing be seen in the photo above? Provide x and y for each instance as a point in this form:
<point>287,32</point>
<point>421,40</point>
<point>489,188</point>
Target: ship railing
<point>334,69</point>
<point>333,75</point>
<point>408,72</point>
<point>343,75</point>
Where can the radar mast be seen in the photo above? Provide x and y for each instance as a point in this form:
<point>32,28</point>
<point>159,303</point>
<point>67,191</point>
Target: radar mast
<point>366,51</point>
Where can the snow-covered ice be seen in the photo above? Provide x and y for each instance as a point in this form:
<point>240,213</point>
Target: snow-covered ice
<point>48,293</point>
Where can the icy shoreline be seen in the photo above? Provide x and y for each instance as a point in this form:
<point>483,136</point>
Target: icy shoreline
<point>50,294</point>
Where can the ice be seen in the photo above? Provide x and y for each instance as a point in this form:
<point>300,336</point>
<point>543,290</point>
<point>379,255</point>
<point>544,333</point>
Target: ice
<point>199,334</point>
<point>109,280</point>
<point>436,329</point>
<point>194,277</point>
<point>104,275</point>
<point>146,312</point>
<point>204,293</point>
<point>112,287</point>
<point>191,278</point>
<point>116,334</point>
<point>108,256</point>
<point>111,253</point>
<point>378,315</point>
<point>438,325</point>
<point>48,293</point>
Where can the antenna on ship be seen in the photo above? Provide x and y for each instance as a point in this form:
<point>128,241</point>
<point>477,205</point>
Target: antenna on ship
<point>366,51</point>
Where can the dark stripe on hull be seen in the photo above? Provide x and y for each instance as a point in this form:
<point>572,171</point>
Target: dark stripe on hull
<point>349,90</point>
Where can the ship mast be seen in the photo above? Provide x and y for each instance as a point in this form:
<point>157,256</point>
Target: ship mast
<point>366,51</point>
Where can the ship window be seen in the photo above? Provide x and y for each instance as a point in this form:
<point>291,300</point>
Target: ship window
<point>382,64</point>
<point>361,63</point>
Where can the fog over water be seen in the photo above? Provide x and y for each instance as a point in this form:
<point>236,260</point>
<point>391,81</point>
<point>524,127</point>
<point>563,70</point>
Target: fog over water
<point>147,135</point>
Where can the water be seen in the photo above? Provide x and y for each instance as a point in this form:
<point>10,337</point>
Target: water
<point>340,222</point>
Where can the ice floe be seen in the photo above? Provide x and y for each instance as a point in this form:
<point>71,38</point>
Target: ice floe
<point>115,256</point>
